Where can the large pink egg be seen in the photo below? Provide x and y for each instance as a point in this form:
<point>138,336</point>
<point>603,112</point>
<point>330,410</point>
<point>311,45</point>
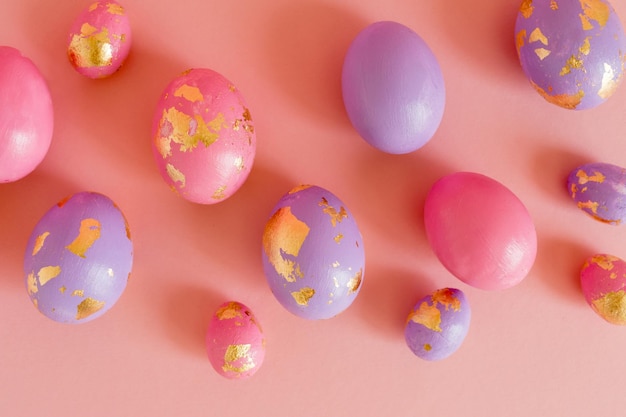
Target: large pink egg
<point>234,341</point>
<point>480,231</point>
<point>99,39</point>
<point>393,88</point>
<point>26,116</point>
<point>603,282</point>
<point>203,137</point>
<point>78,258</point>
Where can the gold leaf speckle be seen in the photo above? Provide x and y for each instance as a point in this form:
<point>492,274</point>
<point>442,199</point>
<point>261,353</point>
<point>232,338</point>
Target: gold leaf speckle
<point>87,307</point>
<point>39,241</point>
<point>303,296</point>
<point>88,233</point>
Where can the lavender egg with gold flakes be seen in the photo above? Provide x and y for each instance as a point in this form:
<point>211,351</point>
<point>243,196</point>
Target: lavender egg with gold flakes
<point>313,253</point>
<point>599,189</point>
<point>572,51</point>
<point>603,282</point>
<point>437,325</point>
<point>234,341</point>
<point>99,39</point>
<point>203,137</point>
<point>78,258</point>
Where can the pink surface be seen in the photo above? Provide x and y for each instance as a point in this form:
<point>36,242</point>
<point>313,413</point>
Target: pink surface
<point>535,349</point>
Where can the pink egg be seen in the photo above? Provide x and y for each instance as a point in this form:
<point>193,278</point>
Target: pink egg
<point>603,282</point>
<point>480,231</point>
<point>26,116</point>
<point>99,39</point>
<point>234,341</point>
<point>203,137</point>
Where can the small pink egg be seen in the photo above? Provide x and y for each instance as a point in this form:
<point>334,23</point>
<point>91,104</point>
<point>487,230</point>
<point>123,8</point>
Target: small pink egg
<point>99,39</point>
<point>234,341</point>
<point>480,231</point>
<point>26,116</point>
<point>603,282</point>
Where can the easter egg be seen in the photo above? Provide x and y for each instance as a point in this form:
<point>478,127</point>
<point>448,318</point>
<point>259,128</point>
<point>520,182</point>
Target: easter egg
<point>480,231</point>
<point>393,88</point>
<point>99,39</point>
<point>234,341</point>
<point>26,116</point>
<point>599,189</point>
<point>203,137</point>
<point>78,258</point>
<point>603,282</point>
<point>438,324</point>
<point>313,254</point>
<point>572,51</point>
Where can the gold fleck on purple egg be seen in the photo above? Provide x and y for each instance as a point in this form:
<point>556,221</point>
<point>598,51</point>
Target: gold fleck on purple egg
<point>599,189</point>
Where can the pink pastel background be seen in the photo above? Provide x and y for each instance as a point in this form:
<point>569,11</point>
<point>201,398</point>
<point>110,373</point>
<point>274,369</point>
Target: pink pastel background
<point>534,350</point>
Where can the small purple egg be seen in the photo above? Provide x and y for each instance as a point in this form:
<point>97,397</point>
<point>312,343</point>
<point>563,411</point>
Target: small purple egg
<point>572,51</point>
<point>393,88</point>
<point>313,253</point>
<point>599,189</point>
<point>78,258</point>
<point>438,324</point>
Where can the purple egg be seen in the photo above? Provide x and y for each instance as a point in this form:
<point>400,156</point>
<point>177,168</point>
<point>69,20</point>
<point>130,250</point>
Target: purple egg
<point>313,253</point>
<point>78,258</point>
<point>393,88</point>
<point>572,51</point>
<point>438,324</point>
<point>599,189</point>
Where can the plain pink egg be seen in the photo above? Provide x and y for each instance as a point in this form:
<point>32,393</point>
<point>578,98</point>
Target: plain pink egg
<point>480,231</point>
<point>26,115</point>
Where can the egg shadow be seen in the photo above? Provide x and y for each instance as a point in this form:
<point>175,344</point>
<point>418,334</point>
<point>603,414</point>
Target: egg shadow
<point>558,264</point>
<point>551,167</point>
<point>24,202</point>
<point>306,46</point>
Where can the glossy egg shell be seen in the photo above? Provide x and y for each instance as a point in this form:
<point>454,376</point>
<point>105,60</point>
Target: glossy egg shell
<point>480,231</point>
<point>26,116</point>
<point>313,254</point>
<point>78,258</point>
<point>571,51</point>
<point>393,88</point>
<point>203,137</point>
<point>437,325</point>
<point>234,341</point>
<point>599,189</point>
<point>99,39</point>
<point>603,282</point>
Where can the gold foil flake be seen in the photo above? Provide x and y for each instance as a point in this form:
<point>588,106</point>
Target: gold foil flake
<point>520,39</point>
<point>427,315</point>
<point>537,36</point>
<point>604,261</point>
<point>229,311</point>
<point>93,6</point>
<point>239,163</point>
<point>568,101</point>
<point>526,9</point>
<point>235,353</point>
<point>87,307</point>
<point>219,193</point>
<point>612,306</point>
<point>612,275</point>
<point>284,234</point>
<point>446,298</point>
<point>585,48</point>
<point>47,273</point>
<point>39,241</point>
<point>175,174</point>
<point>596,10</point>
<point>542,53</point>
<point>63,289</point>
<point>31,283</point>
<point>591,205</point>
<point>88,233</point>
<point>355,282</point>
<point>335,264</point>
<point>609,83</point>
<point>163,145</point>
<point>35,302</point>
<point>299,188</point>
<point>427,347</point>
<point>113,8</point>
<point>78,293</point>
<point>554,5</point>
<point>180,128</point>
<point>335,216</point>
<point>584,178</point>
<point>572,62</point>
<point>303,296</point>
<point>91,48</point>
<point>338,238</point>
<point>189,93</point>
<point>232,88</point>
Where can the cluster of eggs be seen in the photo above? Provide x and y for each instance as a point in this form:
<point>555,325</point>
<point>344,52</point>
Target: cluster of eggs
<point>79,256</point>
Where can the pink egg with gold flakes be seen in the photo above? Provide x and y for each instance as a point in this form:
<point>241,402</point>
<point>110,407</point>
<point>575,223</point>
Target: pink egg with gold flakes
<point>26,116</point>
<point>203,137</point>
<point>99,39</point>
<point>603,282</point>
<point>234,341</point>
